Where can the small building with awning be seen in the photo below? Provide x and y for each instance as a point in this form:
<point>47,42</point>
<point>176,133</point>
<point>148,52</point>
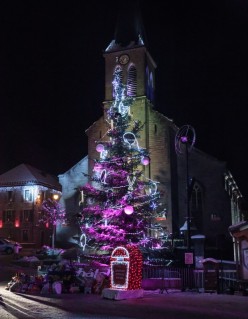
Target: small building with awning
<point>239,232</point>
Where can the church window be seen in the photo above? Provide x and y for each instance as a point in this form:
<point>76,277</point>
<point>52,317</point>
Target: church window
<point>151,88</point>
<point>147,81</point>
<point>117,78</point>
<point>132,81</point>
<point>151,80</point>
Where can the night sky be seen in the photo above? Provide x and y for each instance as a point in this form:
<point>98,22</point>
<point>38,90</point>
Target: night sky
<point>52,76</point>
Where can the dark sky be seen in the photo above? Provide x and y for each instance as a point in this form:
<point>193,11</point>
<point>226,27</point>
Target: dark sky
<point>52,76</point>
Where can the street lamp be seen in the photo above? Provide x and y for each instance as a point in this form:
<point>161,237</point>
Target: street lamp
<point>55,198</point>
<point>184,142</point>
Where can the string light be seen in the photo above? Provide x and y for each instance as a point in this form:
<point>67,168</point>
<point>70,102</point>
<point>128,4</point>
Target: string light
<point>126,267</point>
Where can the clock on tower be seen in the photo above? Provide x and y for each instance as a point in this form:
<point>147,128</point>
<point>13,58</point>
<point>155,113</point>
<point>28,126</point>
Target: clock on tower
<point>124,59</point>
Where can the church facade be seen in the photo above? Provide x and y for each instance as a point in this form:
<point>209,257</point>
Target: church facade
<point>195,187</point>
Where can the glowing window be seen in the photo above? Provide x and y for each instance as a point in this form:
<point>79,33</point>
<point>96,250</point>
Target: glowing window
<point>28,195</point>
<point>132,81</point>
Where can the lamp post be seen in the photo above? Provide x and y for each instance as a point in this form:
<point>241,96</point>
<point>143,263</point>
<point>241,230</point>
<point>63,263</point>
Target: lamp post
<point>184,141</point>
<point>188,217</point>
<point>55,198</point>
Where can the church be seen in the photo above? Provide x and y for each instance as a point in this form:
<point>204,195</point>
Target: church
<point>200,198</point>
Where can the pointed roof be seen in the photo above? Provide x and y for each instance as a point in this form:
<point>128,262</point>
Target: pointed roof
<point>130,31</point>
<point>24,174</point>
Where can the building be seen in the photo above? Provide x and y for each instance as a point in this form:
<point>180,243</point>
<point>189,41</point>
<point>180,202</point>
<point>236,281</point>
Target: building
<point>210,207</point>
<point>22,191</point>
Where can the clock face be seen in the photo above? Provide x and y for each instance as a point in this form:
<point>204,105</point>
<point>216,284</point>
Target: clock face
<point>124,59</point>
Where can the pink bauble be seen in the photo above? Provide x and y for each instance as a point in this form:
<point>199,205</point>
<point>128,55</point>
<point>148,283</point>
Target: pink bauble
<point>145,160</point>
<point>128,210</point>
<point>100,148</point>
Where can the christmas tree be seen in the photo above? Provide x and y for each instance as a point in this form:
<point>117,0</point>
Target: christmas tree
<point>119,204</point>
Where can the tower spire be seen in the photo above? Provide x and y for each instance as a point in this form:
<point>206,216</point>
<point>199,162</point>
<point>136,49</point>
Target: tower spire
<point>129,31</point>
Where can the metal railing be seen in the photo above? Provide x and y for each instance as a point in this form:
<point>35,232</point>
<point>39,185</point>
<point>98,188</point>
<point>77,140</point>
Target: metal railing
<point>193,278</point>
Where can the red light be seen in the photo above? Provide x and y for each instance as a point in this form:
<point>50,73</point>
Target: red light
<point>17,223</point>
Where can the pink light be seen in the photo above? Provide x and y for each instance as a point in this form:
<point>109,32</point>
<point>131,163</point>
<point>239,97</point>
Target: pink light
<point>100,148</point>
<point>184,139</point>
<point>17,223</point>
<point>145,160</point>
<point>128,210</point>
<point>97,167</point>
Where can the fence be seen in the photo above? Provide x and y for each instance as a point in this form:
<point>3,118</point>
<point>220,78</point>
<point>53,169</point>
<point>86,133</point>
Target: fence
<point>190,278</point>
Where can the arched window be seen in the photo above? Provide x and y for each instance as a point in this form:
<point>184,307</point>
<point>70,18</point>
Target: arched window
<point>151,88</point>
<point>117,79</point>
<point>147,82</point>
<point>151,80</point>
<point>132,81</point>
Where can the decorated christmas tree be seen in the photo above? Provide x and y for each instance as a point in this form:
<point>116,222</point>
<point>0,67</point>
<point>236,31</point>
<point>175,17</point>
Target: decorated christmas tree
<point>120,202</point>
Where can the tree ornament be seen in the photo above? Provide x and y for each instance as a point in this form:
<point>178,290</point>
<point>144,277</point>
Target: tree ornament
<point>128,210</point>
<point>131,182</point>
<point>100,148</point>
<point>129,138</point>
<point>145,160</point>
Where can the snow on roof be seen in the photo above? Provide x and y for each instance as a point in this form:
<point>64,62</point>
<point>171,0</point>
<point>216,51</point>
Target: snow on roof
<point>26,174</point>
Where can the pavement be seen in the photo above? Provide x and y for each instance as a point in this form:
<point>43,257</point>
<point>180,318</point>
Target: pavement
<point>172,305</point>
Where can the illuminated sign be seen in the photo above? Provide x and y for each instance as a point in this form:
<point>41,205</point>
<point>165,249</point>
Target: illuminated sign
<point>126,267</point>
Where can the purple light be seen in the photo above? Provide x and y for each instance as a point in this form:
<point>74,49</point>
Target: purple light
<point>100,148</point>
<point>128,210</point>
<point>97,167</point>
<point>184,139</point>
